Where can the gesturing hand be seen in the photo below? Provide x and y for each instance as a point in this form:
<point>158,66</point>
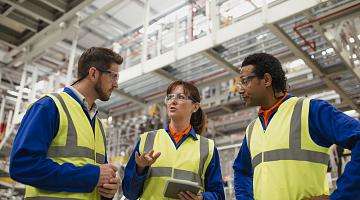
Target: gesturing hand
<point>146,159</point>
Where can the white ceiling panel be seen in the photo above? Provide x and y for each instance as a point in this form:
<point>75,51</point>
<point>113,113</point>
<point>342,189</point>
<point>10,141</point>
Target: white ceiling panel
<point>132,14</point>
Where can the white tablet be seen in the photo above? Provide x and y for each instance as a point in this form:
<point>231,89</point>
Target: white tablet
<point>173,187</point>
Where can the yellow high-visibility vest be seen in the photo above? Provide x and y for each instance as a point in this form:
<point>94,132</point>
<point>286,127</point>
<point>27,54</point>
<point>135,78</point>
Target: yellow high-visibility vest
<point>287,163</point>
<point>189,162</point>
<point>75,143</point>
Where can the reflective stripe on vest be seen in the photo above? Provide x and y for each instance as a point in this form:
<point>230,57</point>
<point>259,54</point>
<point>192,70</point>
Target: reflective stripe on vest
<point>178,173</point>
<point>71,149</point>
<point>294,152</point>
<point>251,127</point>
<point>47,198</point>
<point>101,158</point>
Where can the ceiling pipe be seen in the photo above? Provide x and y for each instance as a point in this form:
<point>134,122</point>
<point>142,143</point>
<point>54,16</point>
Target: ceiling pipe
<point>311,43</point>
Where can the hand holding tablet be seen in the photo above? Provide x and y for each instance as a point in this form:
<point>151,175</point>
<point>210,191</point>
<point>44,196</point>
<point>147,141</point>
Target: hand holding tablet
<point>174,187</point>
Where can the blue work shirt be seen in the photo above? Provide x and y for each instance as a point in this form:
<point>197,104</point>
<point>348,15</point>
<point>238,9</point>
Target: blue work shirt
<point>133,182</point>
<point>327,126</point>
<point>29,163</point>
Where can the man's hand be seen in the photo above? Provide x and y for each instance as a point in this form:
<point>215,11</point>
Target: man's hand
<point>144,160</point>
<point>189,196</point>
<point>107,172</point>
<point>109,190</point>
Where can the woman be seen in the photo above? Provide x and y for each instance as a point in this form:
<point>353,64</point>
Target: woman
<point>176,152</point>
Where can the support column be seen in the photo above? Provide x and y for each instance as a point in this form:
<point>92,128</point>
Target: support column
<point>159,42</point>
<point>127,57</point>
<point>208,15</point>
<point>20,96</point>
<point>176,37</point>
<point>214,16</point>
<point>34,78</point>
<point>218,93</point>
<point>2,109</point>
<point>51,84</point>
<point>265,10</point>
<point>69,75</point>
<point>189,23</point>
<point>0,76</point>
<point>145,38</point>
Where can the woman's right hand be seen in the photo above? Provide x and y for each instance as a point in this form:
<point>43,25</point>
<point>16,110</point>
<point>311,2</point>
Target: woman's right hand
<point>145,160</point>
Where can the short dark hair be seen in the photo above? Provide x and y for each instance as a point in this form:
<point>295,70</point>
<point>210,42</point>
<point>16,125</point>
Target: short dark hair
<point>98,57</point>
<point>266,63</point>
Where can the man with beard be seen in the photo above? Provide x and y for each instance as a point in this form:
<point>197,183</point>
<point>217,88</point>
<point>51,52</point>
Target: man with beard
<point>286,149</point>
<point>59,151</point>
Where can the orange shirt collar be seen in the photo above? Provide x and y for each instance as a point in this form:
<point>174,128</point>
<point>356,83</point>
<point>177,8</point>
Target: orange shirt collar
<point>266,113</point>
<point>178,135</point>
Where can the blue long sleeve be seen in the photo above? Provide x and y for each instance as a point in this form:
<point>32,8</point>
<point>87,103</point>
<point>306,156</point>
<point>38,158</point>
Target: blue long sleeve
<point>214,188</point>
<point>243,174</point>
<point>329,126</point>
<point>133,182</point>
<point>29,163</point>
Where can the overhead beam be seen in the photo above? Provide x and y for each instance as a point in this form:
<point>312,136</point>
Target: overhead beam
<point>100,11</point>
<point>200,86</point>
<point>282,36</point>
<point>108,16</point>
<point>165,74</point>
<point>153,19</point>
<point>8,11</point>
<point>7,44</point>
<point>335,70</point>
<point>59,34</point>
<point>117,21</point>
<point>278,12</point>
<point>95,32</point>
<point>7,37</point>
<point>227,108</point>
<point>53,27</point>
<point>350,9</point>
<point>329,37</point>
<point>25,22</point>
<point>134,99</point>
<point>215,57</point>
<point>313,86</point>
<point>50,40</point>
<point>342,54</point>
<point>33,10</point>
<point>142,4</point>
<point>58,5</point>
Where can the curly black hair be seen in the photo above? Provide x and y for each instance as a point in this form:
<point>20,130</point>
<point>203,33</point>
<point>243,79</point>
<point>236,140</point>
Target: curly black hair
<point>266,63</point>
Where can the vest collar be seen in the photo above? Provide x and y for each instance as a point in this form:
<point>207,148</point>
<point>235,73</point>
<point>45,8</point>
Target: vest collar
<point>192,132</point>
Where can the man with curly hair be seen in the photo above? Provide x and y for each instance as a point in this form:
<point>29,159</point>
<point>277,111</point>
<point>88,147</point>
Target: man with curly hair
<point>285,152</point>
